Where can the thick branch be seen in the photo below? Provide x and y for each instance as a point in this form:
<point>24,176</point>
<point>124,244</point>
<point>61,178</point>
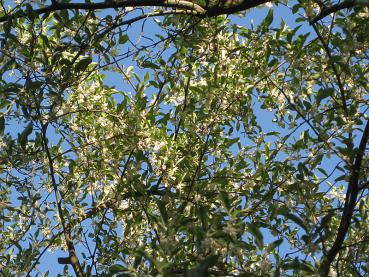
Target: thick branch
<point>332,9</point>
<point>350,202</point>
<point>201,11</point>
<point>179,4</point>
<point>236,6</point>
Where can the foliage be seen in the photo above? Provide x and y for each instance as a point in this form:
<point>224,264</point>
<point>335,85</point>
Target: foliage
<point>200,147</point>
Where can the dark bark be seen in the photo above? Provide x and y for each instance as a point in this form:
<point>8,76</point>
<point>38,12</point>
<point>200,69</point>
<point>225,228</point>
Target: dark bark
<point>350,203</point>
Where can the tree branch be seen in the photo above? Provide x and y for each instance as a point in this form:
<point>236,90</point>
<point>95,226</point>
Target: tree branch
<point>332,9</point>
<point>201,11</point>
<point>335,70</point>
<point>74,261</point>
<point>236,6</point>
<point>350,202</point>
<point>178,4</point>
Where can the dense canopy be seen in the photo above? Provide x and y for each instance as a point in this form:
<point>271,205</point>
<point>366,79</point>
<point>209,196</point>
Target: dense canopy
<point>184,138</point>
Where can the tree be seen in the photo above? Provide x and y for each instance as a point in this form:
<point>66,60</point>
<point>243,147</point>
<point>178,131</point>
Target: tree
<point>218,149</point>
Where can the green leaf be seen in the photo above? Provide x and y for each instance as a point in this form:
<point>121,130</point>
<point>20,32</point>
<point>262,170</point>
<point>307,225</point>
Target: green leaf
<point>148,64</point>
<point>324,93</point>
<point>4,103</point>
<point>269,18</point>
<point>273,62</point>
<point>364,3</point>
<point>298,266</point>
<point>146,77</point>
<point>324,222</point>
<point>23,137</point>
<point>247,274</point>
<point>254,230</point>
<point>137,261</point>
<point>45,40</point>
<point>117,268</point>
<point>83,63</point>
<point>202,269</point>
<point>341,178</point>
<point>204,216</point>
<point>274,245</point>
<point>295,219</point>
<point>36,85</point>
<point>123,39</point>
<point>2,125</point>
<point>224,197</point>
<point>295,8</point>
<point>163,211</point>
<point>9,88</point>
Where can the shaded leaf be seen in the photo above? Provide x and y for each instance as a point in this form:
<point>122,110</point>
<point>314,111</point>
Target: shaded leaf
<point>254,230</point>
<point>202,269</point>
